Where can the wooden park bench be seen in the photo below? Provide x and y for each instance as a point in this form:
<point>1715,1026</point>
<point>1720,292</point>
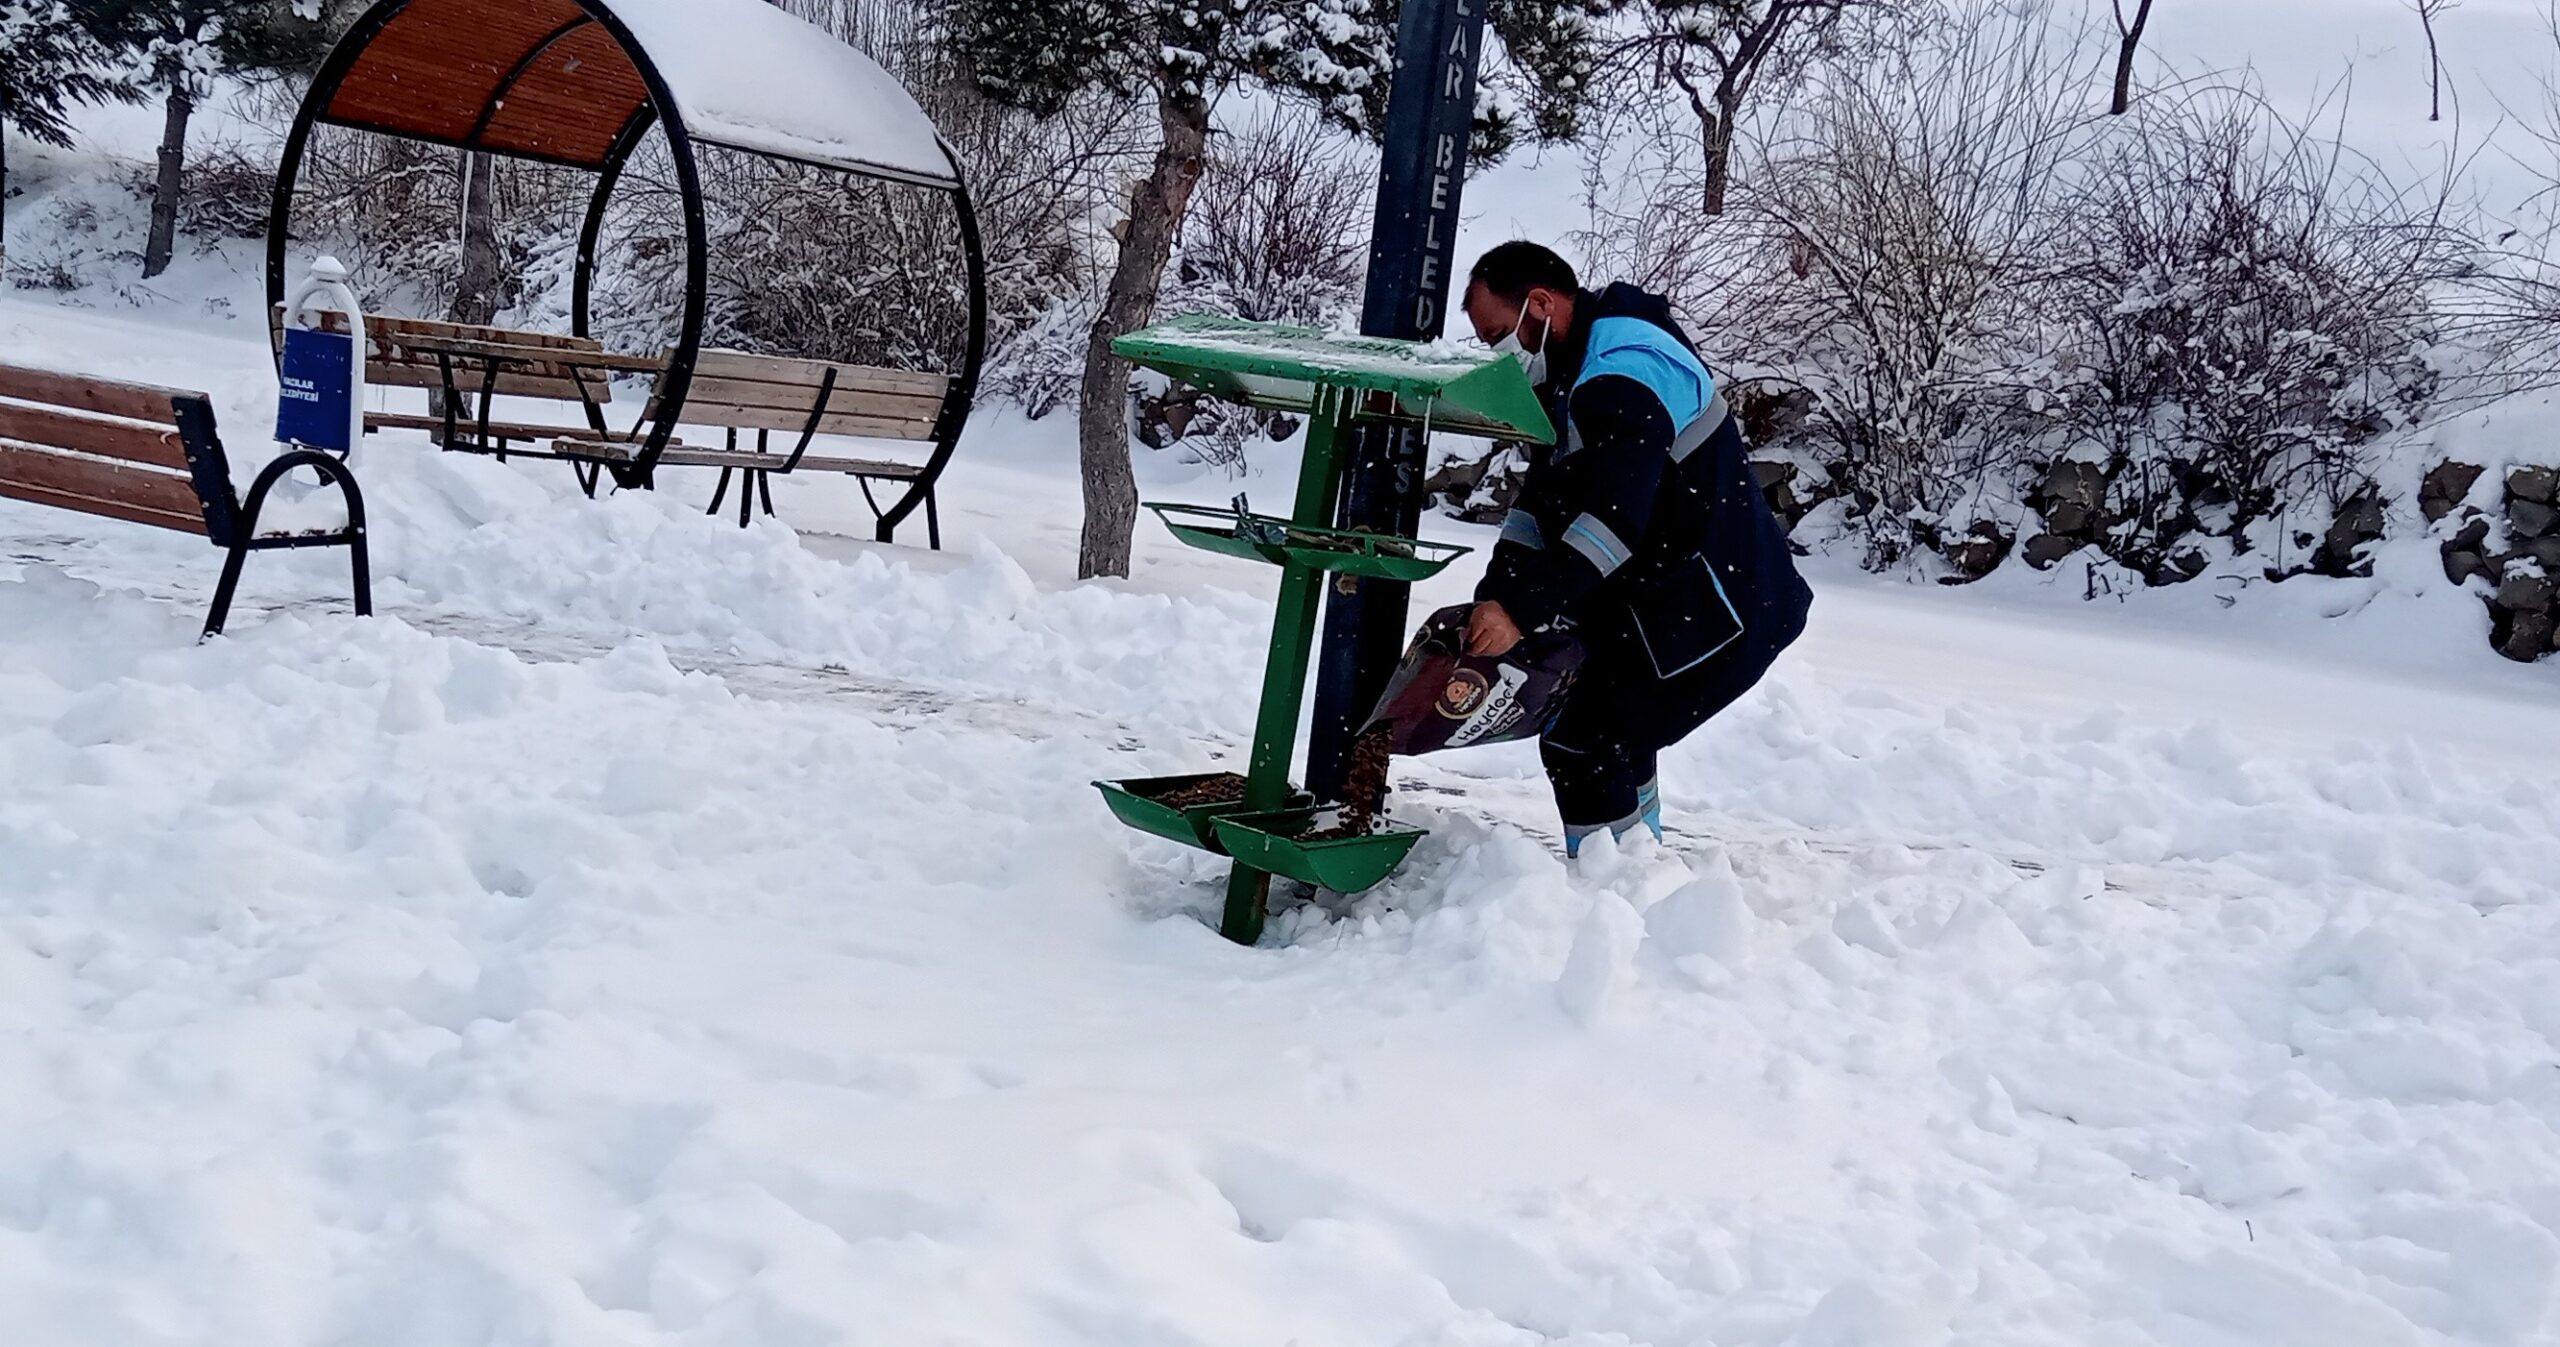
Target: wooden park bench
<point>731,391</point>
<point>734,391</point>
<point>149,455</point>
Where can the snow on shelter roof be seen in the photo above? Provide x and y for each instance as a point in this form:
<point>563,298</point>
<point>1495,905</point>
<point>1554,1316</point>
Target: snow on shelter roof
<point>556,80</point>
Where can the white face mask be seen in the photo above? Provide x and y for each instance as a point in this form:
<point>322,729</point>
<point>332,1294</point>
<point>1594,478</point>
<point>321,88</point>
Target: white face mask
<point>1532,363</point>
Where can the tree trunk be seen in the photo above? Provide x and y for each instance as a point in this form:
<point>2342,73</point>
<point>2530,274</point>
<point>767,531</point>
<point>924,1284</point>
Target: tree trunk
<point>2125,52</point>
<point>475,295</point>
<point>1102,422</point>
<point>8,118</point>
<point>163,243</point>
<point>1719,147</point>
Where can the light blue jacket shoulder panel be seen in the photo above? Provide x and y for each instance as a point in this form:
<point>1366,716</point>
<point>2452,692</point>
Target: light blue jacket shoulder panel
<point>1636,349</point>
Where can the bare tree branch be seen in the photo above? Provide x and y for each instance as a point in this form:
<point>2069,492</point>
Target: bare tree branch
<point>2428,11</point>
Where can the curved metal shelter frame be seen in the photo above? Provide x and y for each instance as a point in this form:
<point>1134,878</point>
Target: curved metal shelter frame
<point>580,83</point>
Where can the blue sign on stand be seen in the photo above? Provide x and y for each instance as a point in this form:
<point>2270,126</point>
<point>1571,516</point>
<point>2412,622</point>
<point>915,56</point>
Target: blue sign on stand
<point>320,375</point>
<point>319,390</point>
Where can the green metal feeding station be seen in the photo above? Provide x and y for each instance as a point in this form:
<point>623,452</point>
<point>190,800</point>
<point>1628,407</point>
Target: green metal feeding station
<point>1338,382</point>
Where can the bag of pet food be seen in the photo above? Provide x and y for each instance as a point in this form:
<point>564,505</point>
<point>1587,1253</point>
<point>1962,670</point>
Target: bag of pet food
<point>1442,697</point>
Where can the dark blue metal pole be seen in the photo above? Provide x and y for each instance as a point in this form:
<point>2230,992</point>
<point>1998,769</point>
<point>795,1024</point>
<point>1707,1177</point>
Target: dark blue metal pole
<point>1430,114</point>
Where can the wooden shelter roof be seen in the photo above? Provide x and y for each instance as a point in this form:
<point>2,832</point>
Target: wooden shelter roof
<point>562,81</point>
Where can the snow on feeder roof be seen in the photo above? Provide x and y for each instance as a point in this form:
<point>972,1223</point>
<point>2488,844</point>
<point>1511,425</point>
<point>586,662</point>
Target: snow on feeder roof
<point>571,81</point>
<point>1466,390</point>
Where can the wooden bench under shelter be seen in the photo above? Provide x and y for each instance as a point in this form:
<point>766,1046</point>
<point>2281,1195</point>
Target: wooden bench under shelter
<point>580,84</point>
<point>734,391</point>
<point>151,456</point>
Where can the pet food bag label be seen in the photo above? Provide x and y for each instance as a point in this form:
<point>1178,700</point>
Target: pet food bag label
<point>1444,698</point>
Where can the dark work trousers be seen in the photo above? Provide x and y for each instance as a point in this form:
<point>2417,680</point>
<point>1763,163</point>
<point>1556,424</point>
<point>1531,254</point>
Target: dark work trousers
<point>1600,751</point>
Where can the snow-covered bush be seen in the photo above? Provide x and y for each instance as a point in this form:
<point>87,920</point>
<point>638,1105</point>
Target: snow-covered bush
<point>1889,249</point>
<point>393,211</point>
<point>2248,307</point>
<point>1277,233</point>
<point>806,261</point>
<point>1278,227</point>
<point>2166,336</point>
<point>1039,366</point>
<point>1047,191</point>
<point>230,189</point>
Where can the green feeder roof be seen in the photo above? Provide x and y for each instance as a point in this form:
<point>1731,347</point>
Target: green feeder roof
<point>1435,384</point>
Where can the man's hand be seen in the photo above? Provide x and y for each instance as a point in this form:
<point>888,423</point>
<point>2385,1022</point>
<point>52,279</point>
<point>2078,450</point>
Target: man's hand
<point>1490,631</point>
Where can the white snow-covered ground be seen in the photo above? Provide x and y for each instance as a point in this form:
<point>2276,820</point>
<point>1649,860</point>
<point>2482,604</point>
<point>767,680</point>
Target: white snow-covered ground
<point>652,932</point>
<point>649,931</point>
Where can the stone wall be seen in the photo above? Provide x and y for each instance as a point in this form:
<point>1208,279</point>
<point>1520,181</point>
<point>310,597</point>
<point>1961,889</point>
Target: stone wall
<point>2511,542</point>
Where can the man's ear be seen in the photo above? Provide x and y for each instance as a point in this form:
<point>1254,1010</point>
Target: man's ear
<point>1538,310</point>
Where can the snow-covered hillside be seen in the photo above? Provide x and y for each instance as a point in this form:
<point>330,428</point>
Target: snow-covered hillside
<point>652,932</point>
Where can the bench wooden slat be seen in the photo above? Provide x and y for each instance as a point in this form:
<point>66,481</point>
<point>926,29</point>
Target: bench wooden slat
<point>392,361</point>
<point>844,400</point>
<point>792,421</point>
<point>141,494</point>
<point>506,336</point>
<point>63,500</point>
<point>387,323</point>
<point>106,397</point>
<point>756,392</point>
<point>679,457</point>
<point>159,447</point>
<point>512,430</point>
<point>523,371</point>
<point>747,367</point>
<point>467,379</point>
<point>553,361</point>
<point>858,467</point>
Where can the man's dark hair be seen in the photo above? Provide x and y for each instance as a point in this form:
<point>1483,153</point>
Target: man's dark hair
<point>1511,270</point>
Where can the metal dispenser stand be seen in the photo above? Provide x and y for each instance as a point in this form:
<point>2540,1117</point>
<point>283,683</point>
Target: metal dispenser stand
<point>1336,381</point>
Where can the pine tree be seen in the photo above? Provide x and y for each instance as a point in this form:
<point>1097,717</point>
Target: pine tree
<point>49,63</point>
<point>173,49</point>
<point>1181,55</point>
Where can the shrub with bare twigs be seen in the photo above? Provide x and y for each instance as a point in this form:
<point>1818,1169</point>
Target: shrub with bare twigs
<point>2249,307</point>
<point>2011,315</point>
<point>1276,234</point>
<point>1890,251</point>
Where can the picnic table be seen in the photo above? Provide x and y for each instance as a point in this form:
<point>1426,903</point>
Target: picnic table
<point>478,369</point>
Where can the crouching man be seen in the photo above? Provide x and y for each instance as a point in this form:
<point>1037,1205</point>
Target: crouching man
<point>1643,526</point>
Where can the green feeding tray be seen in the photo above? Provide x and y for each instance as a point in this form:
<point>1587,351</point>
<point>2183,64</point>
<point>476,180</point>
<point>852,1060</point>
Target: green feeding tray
<point>1138,802</point>
<point>1259,537</point>
<point>1441,385</point>
<point>1269,842</point>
